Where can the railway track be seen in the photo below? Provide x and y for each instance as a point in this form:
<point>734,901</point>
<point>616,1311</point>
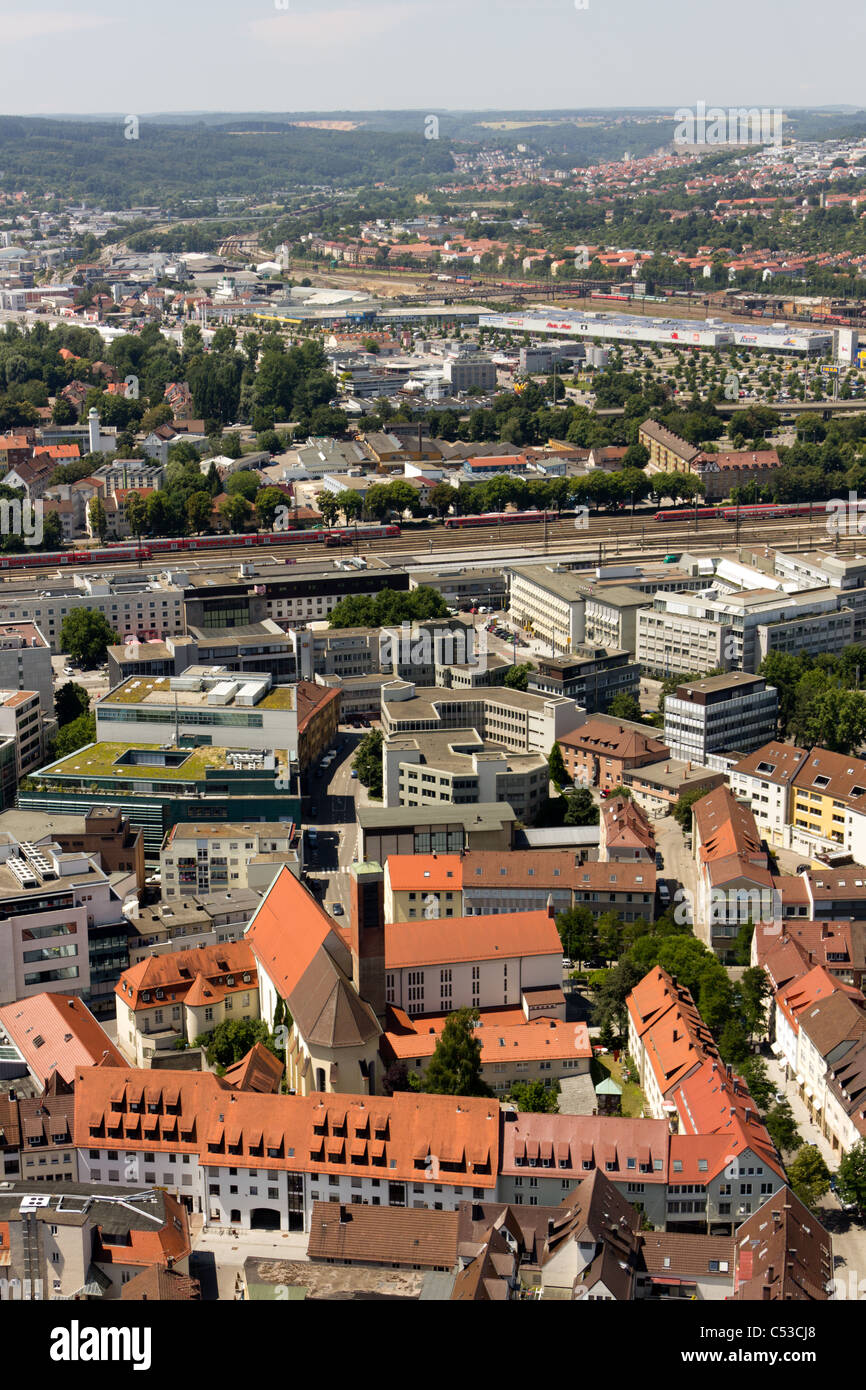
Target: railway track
<point>606,537</point>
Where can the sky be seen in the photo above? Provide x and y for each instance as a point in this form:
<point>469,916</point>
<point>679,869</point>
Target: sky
<point>144,56</point>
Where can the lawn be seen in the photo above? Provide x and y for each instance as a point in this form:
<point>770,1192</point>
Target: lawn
<point>632,1095</point>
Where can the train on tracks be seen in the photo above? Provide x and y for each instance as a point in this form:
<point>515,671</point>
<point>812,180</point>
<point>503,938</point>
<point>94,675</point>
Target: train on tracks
<point>747,512</point>
<point>163,545</point>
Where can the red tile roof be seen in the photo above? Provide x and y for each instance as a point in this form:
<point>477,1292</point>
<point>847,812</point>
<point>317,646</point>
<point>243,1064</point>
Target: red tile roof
<point>577,1144</point>
<point>288,929</point>
<point>726,827</point>
<point>535,1040</point>
<point>190,977</point>
<point>431,871</point>
<point>70,1035</point>
<point>402,1137</point>
<point>500,937</point>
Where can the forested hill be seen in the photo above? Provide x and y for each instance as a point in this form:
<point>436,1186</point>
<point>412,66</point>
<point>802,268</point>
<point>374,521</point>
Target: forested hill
<point>96,161</point>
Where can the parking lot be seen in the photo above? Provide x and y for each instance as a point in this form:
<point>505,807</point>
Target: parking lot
<point>94,681</point>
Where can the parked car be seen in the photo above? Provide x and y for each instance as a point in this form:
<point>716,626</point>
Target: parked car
<point>354,772</point>
<point>314,810</point>
<point>337,910</point>
<point>567,964</point>
<point>664,894</point>
<point>660,863</point>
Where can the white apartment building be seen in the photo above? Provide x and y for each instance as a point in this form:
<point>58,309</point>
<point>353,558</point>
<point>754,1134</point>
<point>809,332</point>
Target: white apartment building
<point>438,966</point>
<point>25,662</point>
<point>49,900</point>
<point>734,711</point>
<point>21,719</point>
<point>203,859</point>
<point>763,779</point>
<point>673,638</point>
<point>459,768</point>
<point>549,602</point>
<point>134,604</point>
<point>516,719</point>
<point>684,633</point>
<point>241,711</point>
<point>611,614</point>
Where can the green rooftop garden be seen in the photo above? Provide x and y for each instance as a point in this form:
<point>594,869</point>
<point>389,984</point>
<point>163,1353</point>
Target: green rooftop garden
<point>103,760</point>
<point>137,690</point>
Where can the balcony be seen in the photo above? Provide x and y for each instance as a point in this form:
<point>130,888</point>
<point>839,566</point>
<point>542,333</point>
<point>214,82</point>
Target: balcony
<point>160,1039</point>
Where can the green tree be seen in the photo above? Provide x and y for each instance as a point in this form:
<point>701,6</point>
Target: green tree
<point>236,511</point>
<point>753,1070</point>
<point>76,734</point>
<point>441,498</point>
<point>86,636</point>
<point>610,936</point>
<point>578,934</point>
<point>232,1039</point>
<point>63,412</point>
<point>751,993</point>
<point>70,701</point>
<point>556,767</point>
<point>367,762</point>
<point>733,1042</point>
<point>580,809</point>
<point>159,414</point>
<point>350,504</point>
<point>625,706</point>
<point>682,812</point>
<point>52,532</point>
<point>198,510</point>
<point>268,500</point>
<point>782,1127</point>
<point>742,948</point>
<point>517,678</point>
<point>244,483</point>
<point>455,1067</point>
<point>328,507</point>
<point>535,1097</point>
<point>136,514</point>
<point>851,1175</point>
<point>809,1175</point>
<point>98,517</point>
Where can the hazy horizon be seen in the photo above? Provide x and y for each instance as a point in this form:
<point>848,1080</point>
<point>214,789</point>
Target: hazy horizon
<point>361,56</point>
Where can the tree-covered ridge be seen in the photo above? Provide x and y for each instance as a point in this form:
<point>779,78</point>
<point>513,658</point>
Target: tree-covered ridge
<point>97,162</point>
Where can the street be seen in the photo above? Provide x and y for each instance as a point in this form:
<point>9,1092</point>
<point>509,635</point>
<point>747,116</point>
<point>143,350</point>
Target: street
<point>679,869</point>
<point>333,795</point>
